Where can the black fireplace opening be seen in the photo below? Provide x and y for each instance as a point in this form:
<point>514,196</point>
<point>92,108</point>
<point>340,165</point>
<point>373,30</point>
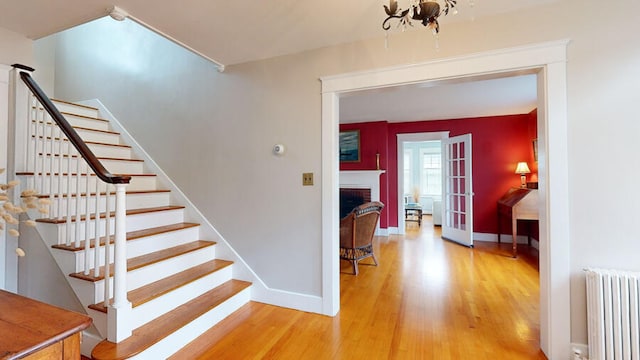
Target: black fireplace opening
<point>350,198</point>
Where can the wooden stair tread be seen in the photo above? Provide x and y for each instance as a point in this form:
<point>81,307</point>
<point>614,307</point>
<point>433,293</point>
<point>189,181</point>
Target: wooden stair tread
<point>84,116</point>
<point>102,215</point>
<point>106,144</point>
<point>158,329</point>
<point>148,259</point>
<point>156,289</point>
<point>132,235</point>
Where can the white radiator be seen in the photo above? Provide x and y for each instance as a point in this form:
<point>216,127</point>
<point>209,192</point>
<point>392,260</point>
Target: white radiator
<point>613,304</point>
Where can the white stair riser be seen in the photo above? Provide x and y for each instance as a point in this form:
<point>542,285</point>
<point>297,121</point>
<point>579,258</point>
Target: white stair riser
<point>123,167</point>
<point>113,166</point>
<point>99,150</point>
<point>149,244</point>
<point>111,151</point>
<point>79,121</point>
<point>101,137</point>
<point>86,135</point>
<point>60,208</point>
<point>161,305</point>
<point>137,247</point>
<point>75,109</point>
<point>197,327</point>
<point>157,271</point>
<point>49,184</point>
<point>134,222</point>
<point>154,272</point>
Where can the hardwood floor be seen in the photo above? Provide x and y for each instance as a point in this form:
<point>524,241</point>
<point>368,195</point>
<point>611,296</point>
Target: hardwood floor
<point>428,299</point>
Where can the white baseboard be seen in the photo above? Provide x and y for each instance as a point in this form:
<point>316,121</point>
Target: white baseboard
<point>579,352</point>
<point>89,341</point>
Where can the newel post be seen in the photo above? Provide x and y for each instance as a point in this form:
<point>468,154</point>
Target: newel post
<point>119,313</point>
<point>19,109</point>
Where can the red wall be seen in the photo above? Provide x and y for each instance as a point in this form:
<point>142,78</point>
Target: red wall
<point>373,139</point>
<point>498,142</point>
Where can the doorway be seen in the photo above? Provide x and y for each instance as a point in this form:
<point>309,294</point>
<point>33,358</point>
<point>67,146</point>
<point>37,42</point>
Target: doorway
<point>403,142</point>
<point>548,61</point>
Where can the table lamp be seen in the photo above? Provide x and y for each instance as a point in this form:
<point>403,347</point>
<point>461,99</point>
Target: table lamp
<point>523,169</point>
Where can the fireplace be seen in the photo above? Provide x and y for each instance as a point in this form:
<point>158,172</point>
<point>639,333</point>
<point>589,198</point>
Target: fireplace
<point>356,183</point>
<point>352,197</point>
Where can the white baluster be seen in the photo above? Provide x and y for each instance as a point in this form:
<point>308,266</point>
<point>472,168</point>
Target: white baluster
<point>49,155</point>
<point>87,222</point>
<point>32,138</point>
<point>69,178</point>
<point>36,140</point>
<point>107,247</point>
<point>77,194</point>
<point>52,139</point>
<point>60,176</point>
<point>96,247</point>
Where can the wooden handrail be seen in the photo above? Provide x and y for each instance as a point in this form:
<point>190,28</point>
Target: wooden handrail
<point>71,134</point>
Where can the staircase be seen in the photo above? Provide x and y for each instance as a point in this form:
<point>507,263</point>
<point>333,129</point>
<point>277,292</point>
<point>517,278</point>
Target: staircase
<point>177,286</point>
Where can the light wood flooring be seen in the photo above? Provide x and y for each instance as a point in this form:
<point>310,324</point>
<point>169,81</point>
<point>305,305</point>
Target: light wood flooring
<point>428,299</point>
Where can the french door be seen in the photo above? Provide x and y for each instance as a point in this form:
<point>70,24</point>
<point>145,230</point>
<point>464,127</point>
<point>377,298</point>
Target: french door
<point>457,212</point>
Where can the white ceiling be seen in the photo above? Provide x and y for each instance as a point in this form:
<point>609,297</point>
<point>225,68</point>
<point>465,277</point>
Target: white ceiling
<point>232,32</point>
<point>478,98</point>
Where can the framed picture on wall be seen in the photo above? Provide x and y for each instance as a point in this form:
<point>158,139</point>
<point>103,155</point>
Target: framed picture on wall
<point>350,146</point>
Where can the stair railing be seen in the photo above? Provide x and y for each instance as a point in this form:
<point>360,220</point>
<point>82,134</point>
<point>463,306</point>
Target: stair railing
<point>63,167</point>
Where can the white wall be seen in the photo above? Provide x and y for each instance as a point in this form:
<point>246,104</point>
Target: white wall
<point>214,144</point>
<point>213,132</point>
<point>44,53</point>
<point>14,48</point>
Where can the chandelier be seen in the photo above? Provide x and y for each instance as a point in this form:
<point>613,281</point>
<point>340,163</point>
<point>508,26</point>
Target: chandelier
<point>425,11</point>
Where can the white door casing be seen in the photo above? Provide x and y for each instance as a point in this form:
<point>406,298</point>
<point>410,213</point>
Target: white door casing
<point>549,61</point>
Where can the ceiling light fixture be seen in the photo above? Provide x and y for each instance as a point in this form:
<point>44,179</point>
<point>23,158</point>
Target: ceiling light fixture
<point>425,11</point>
<point>117,13</point>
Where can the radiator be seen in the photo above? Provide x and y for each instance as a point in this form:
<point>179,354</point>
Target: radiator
<point>613,314</point>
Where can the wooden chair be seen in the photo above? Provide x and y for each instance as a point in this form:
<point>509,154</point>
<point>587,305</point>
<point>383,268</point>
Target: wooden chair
<point>356,233</point>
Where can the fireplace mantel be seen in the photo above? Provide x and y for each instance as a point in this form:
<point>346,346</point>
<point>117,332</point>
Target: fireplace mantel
<point>362,179</point>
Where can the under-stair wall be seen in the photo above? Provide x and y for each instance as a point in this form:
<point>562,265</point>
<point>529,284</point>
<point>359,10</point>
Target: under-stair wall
<point>260,292</point>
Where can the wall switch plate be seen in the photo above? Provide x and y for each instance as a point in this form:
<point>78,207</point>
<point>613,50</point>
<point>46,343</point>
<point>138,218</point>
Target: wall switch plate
<point>307,179</point>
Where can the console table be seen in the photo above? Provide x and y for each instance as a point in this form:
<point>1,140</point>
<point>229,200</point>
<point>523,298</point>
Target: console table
<point>413,212</point>
<point>33,330</point>
<point>517,204</point>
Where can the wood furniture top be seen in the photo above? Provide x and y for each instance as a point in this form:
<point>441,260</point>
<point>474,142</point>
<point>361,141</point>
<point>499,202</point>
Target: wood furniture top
<point>517,204</point>
<point>28,326</point>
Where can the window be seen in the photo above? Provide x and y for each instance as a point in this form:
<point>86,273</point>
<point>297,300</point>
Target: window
<point>431,173</point>
<point>408,178</point>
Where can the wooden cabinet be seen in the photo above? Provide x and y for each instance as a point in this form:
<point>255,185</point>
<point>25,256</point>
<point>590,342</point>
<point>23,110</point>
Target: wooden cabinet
<point>517,204</point>
<point>33,330</point>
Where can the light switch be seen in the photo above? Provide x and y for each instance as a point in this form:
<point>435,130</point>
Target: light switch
<point>307,179</point>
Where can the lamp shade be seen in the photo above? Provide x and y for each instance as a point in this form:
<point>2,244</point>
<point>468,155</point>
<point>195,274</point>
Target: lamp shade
<point>522,168</point>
